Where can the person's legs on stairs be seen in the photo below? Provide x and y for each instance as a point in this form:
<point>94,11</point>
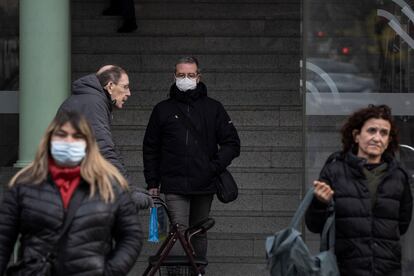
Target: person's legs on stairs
<point>200,207</point>
<point>179,208</point>
<point>113,9</point>
<point>128,13</point>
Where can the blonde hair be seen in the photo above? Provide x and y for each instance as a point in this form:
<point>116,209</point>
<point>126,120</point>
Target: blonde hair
<point>95,170</point>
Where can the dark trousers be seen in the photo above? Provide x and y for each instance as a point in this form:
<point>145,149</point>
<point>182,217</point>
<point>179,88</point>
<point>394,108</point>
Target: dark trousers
<point>187,210</point>
<point>126,7</point>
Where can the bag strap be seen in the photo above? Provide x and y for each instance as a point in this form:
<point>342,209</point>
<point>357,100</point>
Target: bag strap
<point>328,232</point>
<point>300,212</point>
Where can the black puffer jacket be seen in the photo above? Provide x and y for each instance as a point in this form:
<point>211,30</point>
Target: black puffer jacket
<point>367,239</point>
<point>36,211</point>
<point>173,157</point>
<point>90,99</point>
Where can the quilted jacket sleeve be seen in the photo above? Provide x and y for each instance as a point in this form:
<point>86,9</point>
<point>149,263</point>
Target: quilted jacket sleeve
<point>9,220</point>
<point>317,212</point>
<point>127,235</point>
<point>406,207</point>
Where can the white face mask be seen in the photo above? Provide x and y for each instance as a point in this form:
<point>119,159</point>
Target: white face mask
<point>186,84</point>
<point>68,154</point>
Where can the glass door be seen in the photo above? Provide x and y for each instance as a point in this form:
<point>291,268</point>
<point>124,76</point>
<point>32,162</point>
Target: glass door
<point>357,52</point>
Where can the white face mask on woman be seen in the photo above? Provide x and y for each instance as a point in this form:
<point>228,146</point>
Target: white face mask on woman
<point>68,154</point>
<point>185,84</point>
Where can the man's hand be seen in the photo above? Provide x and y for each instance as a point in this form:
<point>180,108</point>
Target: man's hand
<point>141,199</point>
<point>154,192</point>
<point>323,191</point>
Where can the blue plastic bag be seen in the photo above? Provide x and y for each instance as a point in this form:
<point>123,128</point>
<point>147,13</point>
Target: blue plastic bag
<point>162,223</point>
<point>153,226</point>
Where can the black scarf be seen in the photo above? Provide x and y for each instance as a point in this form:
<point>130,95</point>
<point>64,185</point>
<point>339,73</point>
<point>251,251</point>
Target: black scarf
<point>188,96</point>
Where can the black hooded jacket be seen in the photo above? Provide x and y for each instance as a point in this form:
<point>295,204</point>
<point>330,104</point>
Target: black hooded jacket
<point>173,157</point>
<point>90,99</point>
<point>367,238</point>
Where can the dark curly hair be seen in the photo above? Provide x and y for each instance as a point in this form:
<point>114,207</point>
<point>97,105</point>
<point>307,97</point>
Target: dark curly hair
<point>357,120</point>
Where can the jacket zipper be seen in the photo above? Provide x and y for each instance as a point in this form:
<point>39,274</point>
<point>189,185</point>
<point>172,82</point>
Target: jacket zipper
<point>186,148</point>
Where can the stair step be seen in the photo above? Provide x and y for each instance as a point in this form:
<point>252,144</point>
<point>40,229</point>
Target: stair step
<point>133,157</point>
<point>221,247</point>
<point>241,81</point>
<point>209,63</point>
<point>229,97</point>
<point>168,10</point>
<point>266,118</point>
<point>242,116</point>
<point>248,178</point>
<point>251,203</point>
<point>234,266</point>
<point>193,27</point>
<point>249,222</point>
<point>6,173</point>
<point>184,44</point>
<point>217,248</point>
<point>284,137</point>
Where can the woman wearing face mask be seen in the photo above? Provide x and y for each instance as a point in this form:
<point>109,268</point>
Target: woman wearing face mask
<point>70,207</point>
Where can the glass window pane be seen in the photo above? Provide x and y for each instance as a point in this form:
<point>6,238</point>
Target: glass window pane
<point>9,45</point>
<point>357,52</point>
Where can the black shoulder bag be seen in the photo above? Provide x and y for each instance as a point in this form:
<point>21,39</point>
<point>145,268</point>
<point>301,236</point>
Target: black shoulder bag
<point>44,266</point>
<point>227,190</point>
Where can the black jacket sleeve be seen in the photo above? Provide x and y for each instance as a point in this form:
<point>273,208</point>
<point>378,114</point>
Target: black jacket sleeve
<point>317,212</point>
<point>127,235</point>
<point>151,150</point>
<point>9,221</point>
<point>406,206</point>
<point>227,139</point>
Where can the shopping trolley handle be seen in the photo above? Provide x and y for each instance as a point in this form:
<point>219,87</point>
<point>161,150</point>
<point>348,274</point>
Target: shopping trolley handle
<point>158,200</point>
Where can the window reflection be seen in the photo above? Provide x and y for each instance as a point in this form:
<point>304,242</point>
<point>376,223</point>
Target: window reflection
<point>358,52</point>
<point>9,45</point>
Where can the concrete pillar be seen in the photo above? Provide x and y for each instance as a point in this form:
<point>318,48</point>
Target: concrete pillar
<point>44,69</point>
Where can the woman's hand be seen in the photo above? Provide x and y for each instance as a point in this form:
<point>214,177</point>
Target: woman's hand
<point>323,191</point>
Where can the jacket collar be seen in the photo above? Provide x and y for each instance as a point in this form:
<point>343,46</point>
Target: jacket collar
<point>357,163</point>
<point>189,96</point>
<point>89,84</point>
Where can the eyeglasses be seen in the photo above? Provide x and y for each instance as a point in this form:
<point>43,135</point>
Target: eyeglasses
<point>189,75</point>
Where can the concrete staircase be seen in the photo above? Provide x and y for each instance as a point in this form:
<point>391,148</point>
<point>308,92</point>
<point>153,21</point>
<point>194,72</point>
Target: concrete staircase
<point>249,53</point>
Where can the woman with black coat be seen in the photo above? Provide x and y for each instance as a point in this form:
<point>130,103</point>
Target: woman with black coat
<point>372,196</point>
<point>104,235</point>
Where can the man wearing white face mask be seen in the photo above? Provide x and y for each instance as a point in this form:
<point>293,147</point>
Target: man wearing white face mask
<point>175,160</point>
<point>95,96</point>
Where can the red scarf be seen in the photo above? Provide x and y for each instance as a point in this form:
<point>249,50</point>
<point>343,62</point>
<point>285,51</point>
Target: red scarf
<point>66,179</point>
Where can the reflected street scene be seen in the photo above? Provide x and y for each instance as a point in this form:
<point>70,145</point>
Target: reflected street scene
<point>358,53</point>
<point>9,45</point>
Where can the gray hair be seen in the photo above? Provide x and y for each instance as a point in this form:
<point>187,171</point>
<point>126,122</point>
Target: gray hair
<point>109,73</point>
<point>190,60</point>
